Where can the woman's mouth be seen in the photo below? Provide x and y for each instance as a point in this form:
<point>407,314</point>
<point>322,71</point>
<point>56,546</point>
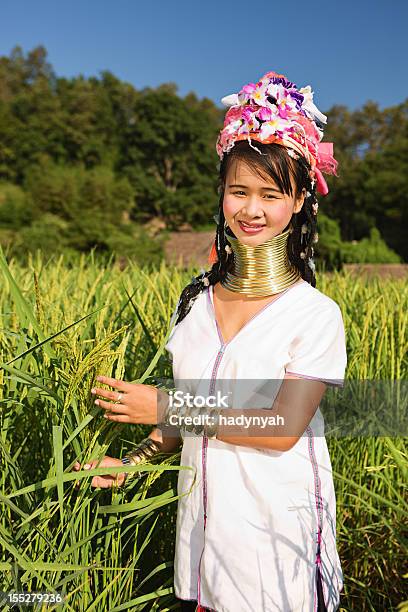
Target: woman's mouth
<point>251,229</point>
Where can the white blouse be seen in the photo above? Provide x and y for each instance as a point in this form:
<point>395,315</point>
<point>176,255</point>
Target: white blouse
<point>247,532</point>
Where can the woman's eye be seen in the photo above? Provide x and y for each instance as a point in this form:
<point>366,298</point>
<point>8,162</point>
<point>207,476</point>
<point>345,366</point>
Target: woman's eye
<point>268,195</point>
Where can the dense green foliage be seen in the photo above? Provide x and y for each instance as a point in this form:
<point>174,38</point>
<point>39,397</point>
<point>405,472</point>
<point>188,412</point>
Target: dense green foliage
<point>113,549</point>
<point>87,162</point>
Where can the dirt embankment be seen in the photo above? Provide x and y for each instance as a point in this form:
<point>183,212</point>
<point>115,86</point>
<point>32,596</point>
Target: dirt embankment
<point>382,270</point>
<point>188,248</point>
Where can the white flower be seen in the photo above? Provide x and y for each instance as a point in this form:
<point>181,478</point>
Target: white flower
<point>316,237</point>
<point>228,249</point>
<point>206,281</point>
<point>230,100</point>
<point>305,229</point>
<point>309,106</point>
<point>302,255</point>
<point>276,90</point>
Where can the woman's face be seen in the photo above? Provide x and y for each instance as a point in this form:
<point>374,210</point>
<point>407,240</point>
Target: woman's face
<point>250,199</point>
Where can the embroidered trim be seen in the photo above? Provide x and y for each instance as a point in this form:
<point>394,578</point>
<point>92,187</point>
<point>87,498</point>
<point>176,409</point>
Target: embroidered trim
<point>319,510</point>
<point>204,447</point>
<point>337,382</point>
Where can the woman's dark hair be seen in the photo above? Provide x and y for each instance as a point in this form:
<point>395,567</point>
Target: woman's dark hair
<point>275,163</point>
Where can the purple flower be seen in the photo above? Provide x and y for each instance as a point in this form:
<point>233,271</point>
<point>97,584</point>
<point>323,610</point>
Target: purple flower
<point>282,81</point>
<point>297,96</point>
<point>249,88</point>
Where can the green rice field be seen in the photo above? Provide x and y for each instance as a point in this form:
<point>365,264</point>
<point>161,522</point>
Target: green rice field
<point>111,550</point>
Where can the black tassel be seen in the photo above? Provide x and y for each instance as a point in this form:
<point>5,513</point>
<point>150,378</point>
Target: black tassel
<point>321,606</point>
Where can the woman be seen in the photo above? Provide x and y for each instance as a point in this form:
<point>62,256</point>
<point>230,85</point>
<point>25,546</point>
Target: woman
<point>258,531</point>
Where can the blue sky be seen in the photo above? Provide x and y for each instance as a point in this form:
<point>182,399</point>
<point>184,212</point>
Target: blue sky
<point>348,51</point>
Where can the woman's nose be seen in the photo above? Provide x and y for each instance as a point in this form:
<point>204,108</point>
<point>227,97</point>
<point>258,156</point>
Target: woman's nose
<point>253,207</point>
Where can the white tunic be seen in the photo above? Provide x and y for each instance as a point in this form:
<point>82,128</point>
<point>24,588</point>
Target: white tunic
<point>247,533</point>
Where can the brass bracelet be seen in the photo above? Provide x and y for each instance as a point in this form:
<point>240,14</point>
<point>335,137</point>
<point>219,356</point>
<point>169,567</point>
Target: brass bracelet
<point>146,449</point>
<point>169,412</point>
<point>210,431</point>
<point>193,412</point>
<point>205,428</point>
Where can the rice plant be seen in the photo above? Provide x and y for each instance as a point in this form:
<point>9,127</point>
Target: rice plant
<point>62,325</point>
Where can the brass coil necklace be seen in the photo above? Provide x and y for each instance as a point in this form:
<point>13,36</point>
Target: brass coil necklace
<point>261,270</point>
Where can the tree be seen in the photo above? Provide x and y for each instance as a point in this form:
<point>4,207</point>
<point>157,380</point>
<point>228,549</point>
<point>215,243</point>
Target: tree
<point>92,151</point>
<point>166,151</point>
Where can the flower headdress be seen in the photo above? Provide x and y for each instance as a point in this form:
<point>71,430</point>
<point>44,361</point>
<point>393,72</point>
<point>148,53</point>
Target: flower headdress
<point>274,111</point>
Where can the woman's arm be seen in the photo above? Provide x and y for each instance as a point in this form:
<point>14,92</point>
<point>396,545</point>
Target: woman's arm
<point>168,443</point>
<point>295,404</point>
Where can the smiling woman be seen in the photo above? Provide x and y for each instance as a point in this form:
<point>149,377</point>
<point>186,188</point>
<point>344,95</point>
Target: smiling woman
<point>278,182</point>
<point>259,530</point>
<point>257,315</point>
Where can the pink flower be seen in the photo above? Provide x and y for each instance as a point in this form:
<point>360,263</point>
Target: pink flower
<point>309,127</point>
<point>286,104</point>
<point>247,113</point>
<point>249,88</point>
<point>282,111</point>
<point>265,113</point>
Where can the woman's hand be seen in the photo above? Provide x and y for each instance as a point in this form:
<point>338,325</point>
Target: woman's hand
<point>107,481</point>
<point>132,403</point>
